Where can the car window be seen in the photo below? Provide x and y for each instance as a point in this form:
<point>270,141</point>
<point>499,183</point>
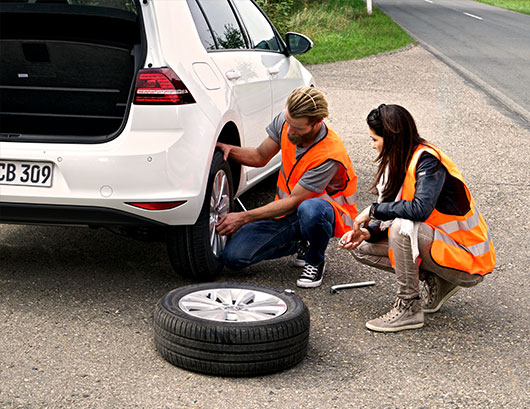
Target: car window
<point>203,29</point>
<point>127,5</point>
<point>223,23</point>
<point>258,27</point>
<point>118,4</point>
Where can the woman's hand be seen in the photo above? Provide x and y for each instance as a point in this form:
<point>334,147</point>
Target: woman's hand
<point>361,219</point>
<point>358,234</point>
<point>351,240</point>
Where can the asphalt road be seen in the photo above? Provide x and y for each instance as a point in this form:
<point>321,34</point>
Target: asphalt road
<point>489,45</point>
<point>76,305</point>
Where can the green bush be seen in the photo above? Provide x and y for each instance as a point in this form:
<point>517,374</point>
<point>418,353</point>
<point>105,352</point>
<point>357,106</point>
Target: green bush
<point>279,11</point>
<point>340,29</point>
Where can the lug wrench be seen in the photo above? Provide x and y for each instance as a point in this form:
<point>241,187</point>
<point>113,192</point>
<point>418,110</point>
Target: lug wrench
<point>335,288</point>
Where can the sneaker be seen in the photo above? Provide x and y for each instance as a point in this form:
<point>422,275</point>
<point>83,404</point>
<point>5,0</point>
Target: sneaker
<point>406,314</point>
<point>299,257</point>
<point>311,276</point>
<point>435,291</point>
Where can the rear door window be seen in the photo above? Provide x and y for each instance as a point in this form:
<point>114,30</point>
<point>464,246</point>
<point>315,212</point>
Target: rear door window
<point>203,29</point>
<point>223,24</point>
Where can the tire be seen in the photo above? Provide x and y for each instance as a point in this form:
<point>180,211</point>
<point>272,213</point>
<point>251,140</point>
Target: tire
<point>223,341</point>
<point>194,250</point>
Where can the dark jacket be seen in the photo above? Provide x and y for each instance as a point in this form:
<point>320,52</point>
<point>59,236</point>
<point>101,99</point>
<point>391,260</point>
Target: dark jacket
<point>435,189</point>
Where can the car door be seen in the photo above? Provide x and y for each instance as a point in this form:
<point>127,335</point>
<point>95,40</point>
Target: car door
<point>268,49</point>
<point>284,72</point>
<point>243,69</point>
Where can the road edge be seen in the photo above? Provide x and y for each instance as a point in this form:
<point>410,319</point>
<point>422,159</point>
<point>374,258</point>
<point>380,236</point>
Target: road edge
<point>505,101</point>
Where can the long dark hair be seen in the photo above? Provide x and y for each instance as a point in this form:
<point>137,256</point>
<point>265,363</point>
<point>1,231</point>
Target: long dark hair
<point>400,139</point>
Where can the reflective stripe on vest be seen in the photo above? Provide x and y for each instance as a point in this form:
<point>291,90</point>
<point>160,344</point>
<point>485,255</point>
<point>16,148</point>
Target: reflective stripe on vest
<point>455,225</point>
<point>292,169</point>
<point>475,250</point>
<point>460,242</point>
<point>342,201</point>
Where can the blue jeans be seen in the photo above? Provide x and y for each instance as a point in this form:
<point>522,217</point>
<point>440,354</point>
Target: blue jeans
<point>274,238</point>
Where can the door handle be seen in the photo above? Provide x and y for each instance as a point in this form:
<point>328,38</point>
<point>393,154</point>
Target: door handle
<point>274,71</point>
<point>233,75</point>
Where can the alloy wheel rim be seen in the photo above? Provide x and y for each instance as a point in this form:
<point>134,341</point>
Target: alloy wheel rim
<point>219,207</point>
<point>232,305</point>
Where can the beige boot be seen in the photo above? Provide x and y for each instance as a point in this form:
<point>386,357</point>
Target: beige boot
<point>406,314</point>
<point>435,291</point>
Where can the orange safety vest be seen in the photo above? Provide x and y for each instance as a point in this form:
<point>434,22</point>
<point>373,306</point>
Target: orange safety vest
<point>460,242</point>
<point>291,170</point>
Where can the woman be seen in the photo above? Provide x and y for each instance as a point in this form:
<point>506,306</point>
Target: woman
<point>425,225</point>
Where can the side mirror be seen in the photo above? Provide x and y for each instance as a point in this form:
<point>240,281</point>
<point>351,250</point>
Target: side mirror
<point>297,43</point>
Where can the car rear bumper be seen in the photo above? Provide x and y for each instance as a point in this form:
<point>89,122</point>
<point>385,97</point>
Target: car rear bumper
<point>21,213</point>
<point>151,161</point>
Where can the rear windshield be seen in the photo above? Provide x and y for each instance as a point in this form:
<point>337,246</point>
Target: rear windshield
<point>127,5</point>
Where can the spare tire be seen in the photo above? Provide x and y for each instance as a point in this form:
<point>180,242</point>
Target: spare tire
<point>231,329</point>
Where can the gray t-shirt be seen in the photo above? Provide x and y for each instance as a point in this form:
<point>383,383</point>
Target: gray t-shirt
<point>329,176</point>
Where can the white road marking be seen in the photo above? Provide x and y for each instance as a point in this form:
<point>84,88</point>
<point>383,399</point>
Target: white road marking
<point>429,1</point>
<point>472,15</point>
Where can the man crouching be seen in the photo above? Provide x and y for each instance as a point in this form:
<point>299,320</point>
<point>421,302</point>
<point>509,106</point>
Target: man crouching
<point>315,192</point>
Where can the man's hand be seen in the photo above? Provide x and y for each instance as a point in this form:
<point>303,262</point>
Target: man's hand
<point>255,157</point>
<point>231,223</point>
<point>225,149</point>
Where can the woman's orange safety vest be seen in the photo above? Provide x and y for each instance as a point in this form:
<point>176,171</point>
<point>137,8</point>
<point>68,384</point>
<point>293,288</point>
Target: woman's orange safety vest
<point>460,242</point>
<point>330,147</point>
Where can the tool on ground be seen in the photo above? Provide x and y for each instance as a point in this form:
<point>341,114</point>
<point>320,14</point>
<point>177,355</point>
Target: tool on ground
<point>335,288</point>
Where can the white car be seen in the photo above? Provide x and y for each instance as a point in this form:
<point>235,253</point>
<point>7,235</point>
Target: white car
<point>111,110</point>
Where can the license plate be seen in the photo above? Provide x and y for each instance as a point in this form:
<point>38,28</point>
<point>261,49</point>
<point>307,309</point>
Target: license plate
<point>26,173</point>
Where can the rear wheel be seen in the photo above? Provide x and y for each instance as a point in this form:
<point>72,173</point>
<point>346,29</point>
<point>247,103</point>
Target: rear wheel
<point>194,251</point>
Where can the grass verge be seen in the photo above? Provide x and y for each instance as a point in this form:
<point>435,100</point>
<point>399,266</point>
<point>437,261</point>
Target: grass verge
<point>343,30</point>
<point>521,6</point>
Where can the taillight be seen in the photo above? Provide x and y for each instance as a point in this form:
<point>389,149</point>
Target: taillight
<point>160,86</point>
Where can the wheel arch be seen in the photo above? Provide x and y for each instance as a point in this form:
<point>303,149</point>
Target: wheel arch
<point>230,135</point>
